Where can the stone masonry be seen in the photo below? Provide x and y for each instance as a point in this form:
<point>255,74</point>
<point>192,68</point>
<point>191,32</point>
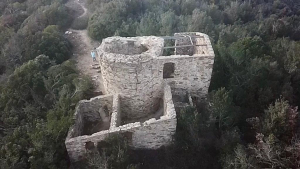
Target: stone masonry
<point>140,85</point>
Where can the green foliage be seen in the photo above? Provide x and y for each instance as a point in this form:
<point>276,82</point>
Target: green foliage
<point>22,48</point>
<point>33,5</point>
<point>288,51</point>
<point>80,23</point>
<point>29,38</point>
<point>222,107</point>
<point>54,14</point>
<point>127,29</point>
<point>5,33</point>
<point>240,159</point>
<point>275,145</point>
<point>200,22</point>
<point>15,96</point>
<point>248,48</point>
<point>38,113</point>
<point>105,22</point>
<point>198,140</point>
<point>280,119</point>
<point>54,44</point>
<point>239,11</point>
<point>169,23</point>
<point>250,72</point>
<point>112,154</point>
<point>195,139</point>
<point>257,62</point>
<point>206,16</point>
<point>148,24</point>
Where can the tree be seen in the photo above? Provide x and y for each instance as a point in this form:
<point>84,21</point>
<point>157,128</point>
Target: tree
<point>107,20</point>
<point>275,145</point>
<point>113,153</point>
<point>223,110</point>
<point>168,23</point>
<point>199,21</point>
<point>38,113</point>
<point>54,44</point>
<point>148,25</point>
<point>5,34</point>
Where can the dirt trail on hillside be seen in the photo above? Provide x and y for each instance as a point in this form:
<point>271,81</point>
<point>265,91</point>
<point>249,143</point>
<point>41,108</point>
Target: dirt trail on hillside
<point>82,47</point>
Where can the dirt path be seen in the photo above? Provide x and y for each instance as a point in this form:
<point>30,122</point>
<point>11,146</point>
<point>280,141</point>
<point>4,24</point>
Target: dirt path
<point>83,7</point>
<point>82,47</point>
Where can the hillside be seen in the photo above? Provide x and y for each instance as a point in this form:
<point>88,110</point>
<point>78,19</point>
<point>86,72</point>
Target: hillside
<point>249,119</point>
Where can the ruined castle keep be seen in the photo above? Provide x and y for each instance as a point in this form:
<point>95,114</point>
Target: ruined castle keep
<point>144,86</point>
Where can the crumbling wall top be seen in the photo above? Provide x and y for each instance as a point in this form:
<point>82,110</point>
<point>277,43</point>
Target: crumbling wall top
<point>193,44</point>
<point>131,49</point>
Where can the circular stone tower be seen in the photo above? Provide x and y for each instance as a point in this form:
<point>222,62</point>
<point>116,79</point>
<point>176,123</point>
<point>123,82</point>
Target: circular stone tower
<point>129,68</point>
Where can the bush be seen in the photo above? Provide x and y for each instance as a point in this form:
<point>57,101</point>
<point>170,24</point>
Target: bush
<point>276,145</point>
<point>54,44</point>
<point>36,106</point>
<point>113,152</point>
<point>80,23</point>
<point>107,20</point>
<point>195,143</point>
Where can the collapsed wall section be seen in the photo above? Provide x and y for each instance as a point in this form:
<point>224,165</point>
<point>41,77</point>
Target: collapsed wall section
<point>92,116</point>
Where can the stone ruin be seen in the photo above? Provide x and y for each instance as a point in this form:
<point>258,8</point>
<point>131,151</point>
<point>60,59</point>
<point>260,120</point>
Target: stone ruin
<point>143,89</point>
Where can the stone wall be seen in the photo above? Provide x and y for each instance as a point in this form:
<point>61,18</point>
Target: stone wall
<point>88,111</point>
<point>192,73</point>
<point>133,74</point>
<point>138,76</point>
<point>192,38</point>
<point>134,77</point>
<point>150,134</point>
<point>153,134</point>
<point>185,39</point>
<point>116,115</point>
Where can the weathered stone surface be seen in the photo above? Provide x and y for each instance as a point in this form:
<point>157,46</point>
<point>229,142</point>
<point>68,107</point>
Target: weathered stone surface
<point>151,134</point>
<point>98,109</point>
<point>127,66</point>
<point>137,88</point>
<point>138,77</point>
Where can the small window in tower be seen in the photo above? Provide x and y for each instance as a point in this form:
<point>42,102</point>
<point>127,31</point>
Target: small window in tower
<point>168,71</point>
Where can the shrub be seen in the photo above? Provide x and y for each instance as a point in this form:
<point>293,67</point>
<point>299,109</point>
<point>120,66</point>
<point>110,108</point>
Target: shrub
<point>80,23</point>
<point>113,152</point>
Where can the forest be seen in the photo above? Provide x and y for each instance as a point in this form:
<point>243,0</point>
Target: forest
<point>249,120</point>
